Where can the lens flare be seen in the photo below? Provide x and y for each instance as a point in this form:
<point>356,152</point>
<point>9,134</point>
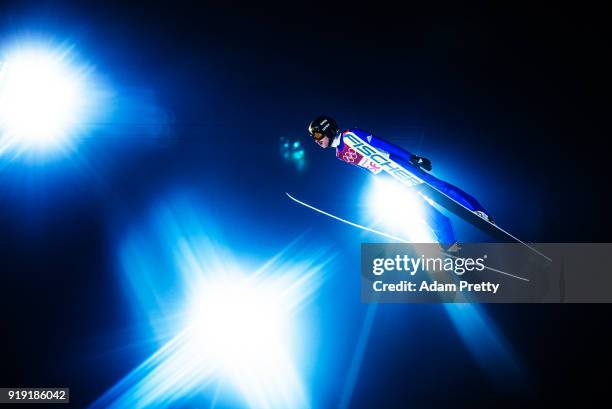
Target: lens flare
<point>397,210</point>
<point>231,333</point>
<point>43,97</point>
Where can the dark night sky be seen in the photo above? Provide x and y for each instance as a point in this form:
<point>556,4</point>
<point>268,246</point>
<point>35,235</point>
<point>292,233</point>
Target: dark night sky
<point>518,92</point>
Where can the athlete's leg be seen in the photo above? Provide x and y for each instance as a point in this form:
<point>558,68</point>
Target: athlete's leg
<point>403,157</point>
<point>453,191</point>
<point>459,195</point>
<point>439,224</point>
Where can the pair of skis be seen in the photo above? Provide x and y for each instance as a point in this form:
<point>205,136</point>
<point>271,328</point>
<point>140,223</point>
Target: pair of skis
<point>445,201</point>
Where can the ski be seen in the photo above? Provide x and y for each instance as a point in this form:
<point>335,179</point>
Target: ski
<point>340,219</point>
<point>389,236</point>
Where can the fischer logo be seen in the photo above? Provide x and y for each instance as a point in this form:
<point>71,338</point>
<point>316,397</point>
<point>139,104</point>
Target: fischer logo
<point>388,165</point>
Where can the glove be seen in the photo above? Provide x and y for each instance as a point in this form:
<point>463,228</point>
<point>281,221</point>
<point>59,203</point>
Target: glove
<point>420,162</point>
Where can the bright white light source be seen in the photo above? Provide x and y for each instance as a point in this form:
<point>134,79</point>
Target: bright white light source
<point>398,209</point>
<point>231,334</point>
<point>42,98</point>
<point>244,328</point>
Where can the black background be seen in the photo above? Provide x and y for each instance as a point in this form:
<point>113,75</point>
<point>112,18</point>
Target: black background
<point>527,83</point>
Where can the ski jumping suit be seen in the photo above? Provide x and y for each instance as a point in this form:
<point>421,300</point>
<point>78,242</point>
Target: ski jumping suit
<point>440,224</point>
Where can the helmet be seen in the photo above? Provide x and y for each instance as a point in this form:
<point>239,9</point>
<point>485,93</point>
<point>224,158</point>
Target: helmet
<point>323,126</point>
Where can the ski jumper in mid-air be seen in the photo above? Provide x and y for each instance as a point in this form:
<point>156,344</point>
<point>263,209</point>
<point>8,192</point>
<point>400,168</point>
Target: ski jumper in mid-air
<point>361,148</point>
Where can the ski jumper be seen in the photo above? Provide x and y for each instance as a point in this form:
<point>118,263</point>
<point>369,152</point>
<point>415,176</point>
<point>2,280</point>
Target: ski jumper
<point>371,148</point>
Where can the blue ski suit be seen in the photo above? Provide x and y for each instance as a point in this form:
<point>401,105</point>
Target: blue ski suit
<point>439,223</point>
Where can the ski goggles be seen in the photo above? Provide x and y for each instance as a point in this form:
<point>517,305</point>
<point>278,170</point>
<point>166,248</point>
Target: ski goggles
<point>317,136</point>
